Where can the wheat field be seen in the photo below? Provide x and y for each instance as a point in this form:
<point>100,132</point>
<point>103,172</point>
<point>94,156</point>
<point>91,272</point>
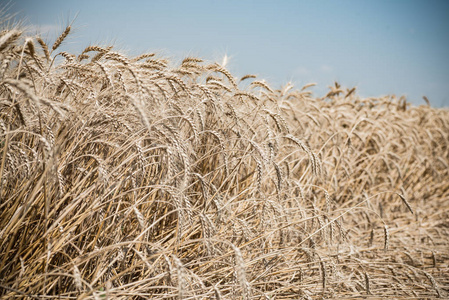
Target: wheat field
<point>137,178</point>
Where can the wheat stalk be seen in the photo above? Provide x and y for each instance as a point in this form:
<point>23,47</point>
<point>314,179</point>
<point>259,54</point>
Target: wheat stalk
<point>8,38</point>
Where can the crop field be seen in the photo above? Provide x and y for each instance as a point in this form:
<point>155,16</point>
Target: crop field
<point>140,178</point>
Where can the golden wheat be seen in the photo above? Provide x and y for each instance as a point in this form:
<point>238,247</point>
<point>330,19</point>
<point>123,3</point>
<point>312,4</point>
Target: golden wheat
<point>132,178</point>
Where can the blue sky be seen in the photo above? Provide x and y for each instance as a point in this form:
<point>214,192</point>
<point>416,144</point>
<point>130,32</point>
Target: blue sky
<point>383,47</point>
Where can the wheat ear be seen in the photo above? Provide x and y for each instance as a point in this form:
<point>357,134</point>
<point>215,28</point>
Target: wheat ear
<point>61,38</point>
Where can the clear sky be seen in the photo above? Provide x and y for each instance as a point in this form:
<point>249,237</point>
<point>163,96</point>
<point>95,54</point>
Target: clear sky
<point>383,47</point>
